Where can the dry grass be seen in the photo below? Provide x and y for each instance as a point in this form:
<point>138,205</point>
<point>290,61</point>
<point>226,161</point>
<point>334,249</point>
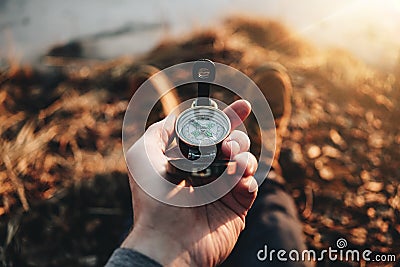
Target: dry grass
<point>340,155</point>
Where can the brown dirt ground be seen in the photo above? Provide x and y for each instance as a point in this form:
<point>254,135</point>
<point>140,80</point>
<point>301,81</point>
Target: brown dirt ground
<point>64,197</point>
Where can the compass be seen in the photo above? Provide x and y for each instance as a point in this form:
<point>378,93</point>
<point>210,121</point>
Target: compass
<point>200,131</point>
<point>202,126</point>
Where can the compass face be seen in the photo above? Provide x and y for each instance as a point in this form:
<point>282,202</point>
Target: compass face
<point>202,126</point>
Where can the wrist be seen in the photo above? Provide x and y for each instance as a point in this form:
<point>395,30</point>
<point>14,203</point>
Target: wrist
<point>157,246</point>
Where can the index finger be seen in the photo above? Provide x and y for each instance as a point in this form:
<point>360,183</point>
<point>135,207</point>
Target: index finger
<point>237,112</point>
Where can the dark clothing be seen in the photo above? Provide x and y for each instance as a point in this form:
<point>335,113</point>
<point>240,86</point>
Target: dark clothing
<point>272,221</point>
<point>123,257</point>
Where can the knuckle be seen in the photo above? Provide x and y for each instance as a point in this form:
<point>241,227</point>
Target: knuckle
<point>242,139</point>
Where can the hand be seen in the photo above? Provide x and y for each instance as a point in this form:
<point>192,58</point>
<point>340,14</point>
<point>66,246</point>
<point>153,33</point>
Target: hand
<point>199,236</point>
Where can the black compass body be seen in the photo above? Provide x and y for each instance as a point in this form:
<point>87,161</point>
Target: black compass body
<point>200,131</point>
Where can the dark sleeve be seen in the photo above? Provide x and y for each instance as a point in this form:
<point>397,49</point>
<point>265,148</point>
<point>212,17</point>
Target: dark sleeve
<point>123,257</point>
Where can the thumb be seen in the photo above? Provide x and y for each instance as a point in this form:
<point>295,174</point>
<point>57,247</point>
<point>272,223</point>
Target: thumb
<point>149,150</point>
<point>160,134</point>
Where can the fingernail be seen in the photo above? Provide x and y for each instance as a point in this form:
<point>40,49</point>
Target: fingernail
<point>252,185</point>
<point>247,102</point>
<point>234,146</point>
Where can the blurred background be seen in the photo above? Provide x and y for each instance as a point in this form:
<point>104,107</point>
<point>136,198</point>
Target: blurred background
<point>69,68</point>
<point>368,28</point>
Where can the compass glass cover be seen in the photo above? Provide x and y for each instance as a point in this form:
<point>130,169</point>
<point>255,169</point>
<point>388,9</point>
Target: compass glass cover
<point>203,126</point>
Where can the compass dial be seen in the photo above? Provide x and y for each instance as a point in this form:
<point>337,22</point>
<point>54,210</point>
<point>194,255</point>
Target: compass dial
<point>202,126</point>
